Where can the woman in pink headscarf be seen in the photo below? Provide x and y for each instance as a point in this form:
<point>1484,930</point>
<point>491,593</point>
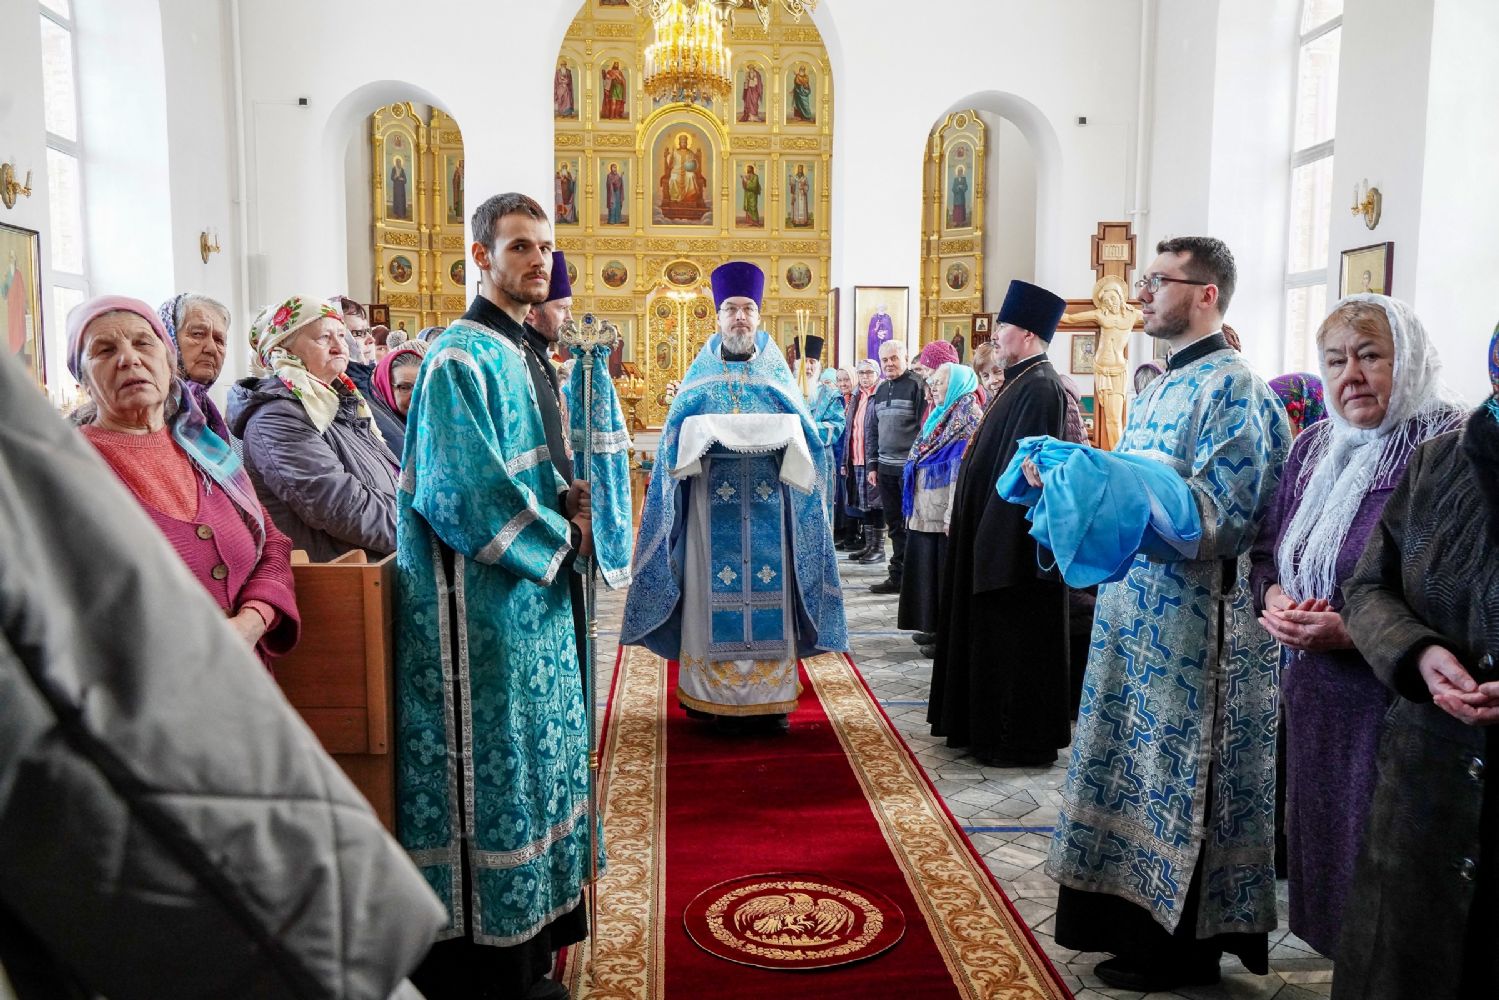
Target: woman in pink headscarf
<point>394,381</point>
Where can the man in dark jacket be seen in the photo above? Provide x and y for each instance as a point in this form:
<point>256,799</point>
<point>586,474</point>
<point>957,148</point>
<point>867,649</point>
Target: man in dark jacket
<point>362,373</point>
<point>892,425</point>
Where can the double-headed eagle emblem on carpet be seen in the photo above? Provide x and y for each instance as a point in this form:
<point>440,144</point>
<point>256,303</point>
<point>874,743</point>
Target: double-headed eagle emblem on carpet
<point>793,920</point>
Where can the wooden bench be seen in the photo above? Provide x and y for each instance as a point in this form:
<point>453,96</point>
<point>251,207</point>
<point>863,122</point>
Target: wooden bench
<point>340,675</point>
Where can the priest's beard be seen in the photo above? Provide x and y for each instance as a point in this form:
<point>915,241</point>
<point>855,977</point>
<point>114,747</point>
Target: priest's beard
<point>739,343</point>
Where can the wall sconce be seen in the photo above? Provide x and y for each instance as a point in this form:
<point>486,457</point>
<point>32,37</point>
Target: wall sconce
<point>9,189</point>
<point>208,245</point>
<point>1370,204</point>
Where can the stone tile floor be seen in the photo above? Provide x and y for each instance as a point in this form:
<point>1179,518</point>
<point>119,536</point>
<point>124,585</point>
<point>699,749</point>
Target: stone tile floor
<point>1008,812</point>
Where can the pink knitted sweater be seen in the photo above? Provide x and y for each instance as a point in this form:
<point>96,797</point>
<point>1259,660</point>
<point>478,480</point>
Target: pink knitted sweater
<point>208,532</point>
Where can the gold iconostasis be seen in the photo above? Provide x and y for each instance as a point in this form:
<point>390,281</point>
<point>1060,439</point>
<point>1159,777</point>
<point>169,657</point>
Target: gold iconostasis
<point>650,195</point>
<point>952,231</point>
<point>417,183</point>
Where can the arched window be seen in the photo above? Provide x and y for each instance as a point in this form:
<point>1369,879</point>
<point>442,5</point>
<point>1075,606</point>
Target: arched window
<point>69,273</point>
<point>1321,35</point>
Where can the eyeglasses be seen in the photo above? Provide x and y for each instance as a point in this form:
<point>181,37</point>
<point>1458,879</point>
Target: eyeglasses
<point>1152,283</point>
<point>744,310</point>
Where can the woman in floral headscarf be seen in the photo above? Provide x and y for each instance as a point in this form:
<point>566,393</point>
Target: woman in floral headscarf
<point>319,464</point>
<point>1423,915</point>
<point>1384,384</point>
<point>1301,393</point>
<point>145,421</point>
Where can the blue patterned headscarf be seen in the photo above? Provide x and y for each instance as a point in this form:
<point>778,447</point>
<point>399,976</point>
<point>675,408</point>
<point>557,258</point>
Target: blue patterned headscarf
<point>961,380</point>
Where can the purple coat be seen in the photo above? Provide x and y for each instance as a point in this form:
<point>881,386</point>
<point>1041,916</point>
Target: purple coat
<point>1333,705</point>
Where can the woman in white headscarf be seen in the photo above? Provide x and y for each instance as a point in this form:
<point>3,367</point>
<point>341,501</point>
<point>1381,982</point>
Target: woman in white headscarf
<point>1385,393</point>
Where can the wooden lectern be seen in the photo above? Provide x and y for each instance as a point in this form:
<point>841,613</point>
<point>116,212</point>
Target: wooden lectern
<point>339,676</point>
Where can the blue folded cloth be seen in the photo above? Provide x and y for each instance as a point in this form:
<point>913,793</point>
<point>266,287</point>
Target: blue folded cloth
<point>1097,510</point>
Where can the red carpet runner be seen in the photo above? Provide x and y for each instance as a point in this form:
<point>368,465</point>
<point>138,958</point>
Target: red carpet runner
<point>686,807</point>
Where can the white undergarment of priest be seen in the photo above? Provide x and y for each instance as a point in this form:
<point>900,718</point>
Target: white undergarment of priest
<point>735,575</point>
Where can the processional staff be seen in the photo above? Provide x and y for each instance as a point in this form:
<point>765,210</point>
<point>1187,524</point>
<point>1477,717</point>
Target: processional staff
<point>590,343</point>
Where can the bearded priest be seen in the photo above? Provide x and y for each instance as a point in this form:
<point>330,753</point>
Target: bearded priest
<point>735,574</point>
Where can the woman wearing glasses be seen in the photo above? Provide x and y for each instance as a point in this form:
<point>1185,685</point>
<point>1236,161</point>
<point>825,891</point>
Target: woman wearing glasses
<point>317,461</point>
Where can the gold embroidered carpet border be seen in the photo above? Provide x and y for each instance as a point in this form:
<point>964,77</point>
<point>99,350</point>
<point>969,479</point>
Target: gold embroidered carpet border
<point>987,949</point>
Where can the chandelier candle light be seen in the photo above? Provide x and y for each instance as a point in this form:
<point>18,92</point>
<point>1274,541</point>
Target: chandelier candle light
<point>688,61</point>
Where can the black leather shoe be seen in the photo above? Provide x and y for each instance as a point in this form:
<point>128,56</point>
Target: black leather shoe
<point>930,652</point>
<point>871,556</point>
<point>1122,974</point>
<point>925,638</point>
<point>886,586</point>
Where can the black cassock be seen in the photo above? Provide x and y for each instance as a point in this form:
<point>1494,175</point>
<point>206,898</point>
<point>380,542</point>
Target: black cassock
<point>1000,680</point>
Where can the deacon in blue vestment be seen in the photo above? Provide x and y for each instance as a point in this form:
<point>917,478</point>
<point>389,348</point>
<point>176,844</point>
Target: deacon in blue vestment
<point>826,404</point>
<point>491,732</point>
<point>735,574</point>
<point>1165,843</point>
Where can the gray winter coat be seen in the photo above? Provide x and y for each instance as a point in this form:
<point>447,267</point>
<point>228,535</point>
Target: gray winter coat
<point>169,827</point>
<point>329,492</point>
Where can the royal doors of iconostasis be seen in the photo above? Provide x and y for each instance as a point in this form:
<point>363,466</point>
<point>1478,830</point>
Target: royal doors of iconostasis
<point>679,319</point>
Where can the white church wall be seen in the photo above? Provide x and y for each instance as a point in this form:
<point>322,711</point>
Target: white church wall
<point>1383,72</point>
<point>1459,256</point>
<point>23,140</point>
<point>197,48</point>
<point>1010,209</point>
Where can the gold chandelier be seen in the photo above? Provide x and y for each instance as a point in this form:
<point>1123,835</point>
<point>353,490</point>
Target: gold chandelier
<point>688,61</point>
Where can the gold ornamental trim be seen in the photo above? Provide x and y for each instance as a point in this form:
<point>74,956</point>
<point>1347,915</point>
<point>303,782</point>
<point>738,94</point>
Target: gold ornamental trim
<point>956,246</point>
<point>623,140</point>
<point>403,300</point>
<point>959,307</point>
<point>743,142</point>
<point>569,139</point>
<point>746,941</point>
<point>451,242</point>
<point>570,243</point>
<point>613,29</point>
<point>803,34</point>
<point>800,143</point>
<point>617,305</point>
<point>985,947</point>
<point>801,246</point>
<point>615,243</point>
<point>395,238</point>
<point>629,950</point>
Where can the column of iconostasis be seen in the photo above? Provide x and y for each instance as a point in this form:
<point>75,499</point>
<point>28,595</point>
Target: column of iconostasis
<point>420,259</point>
<point>952,251</point>
<point>650,195</point>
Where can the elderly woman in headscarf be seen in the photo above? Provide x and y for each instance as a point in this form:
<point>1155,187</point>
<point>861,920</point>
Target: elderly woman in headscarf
<point>198,327</point>
<point>311,447</point>
<point>862,498</point>
<point>932,357</point>
<point>843,379</point>
<point>394,382</point>
<point>1301,394</point>
<point>1423,917</point>
<point>145,421</point>
<point>1384,384</point>
<point>926,495</point>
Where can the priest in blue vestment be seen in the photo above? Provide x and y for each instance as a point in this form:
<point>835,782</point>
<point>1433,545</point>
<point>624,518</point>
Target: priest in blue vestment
<point>491,730</point>
<point>735,574</point>
<point>1165,845</point>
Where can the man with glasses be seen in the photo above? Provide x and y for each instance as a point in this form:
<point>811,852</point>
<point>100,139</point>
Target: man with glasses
<point>1165,843</point>
<point>735,574</point>
<point>362,372</point>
